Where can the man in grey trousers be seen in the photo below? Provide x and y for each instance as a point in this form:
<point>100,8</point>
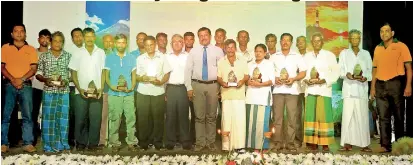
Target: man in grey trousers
<point>201,81</point>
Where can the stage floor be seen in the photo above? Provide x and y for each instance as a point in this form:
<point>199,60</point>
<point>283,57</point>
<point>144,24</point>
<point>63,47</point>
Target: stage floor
<point>179,151</point>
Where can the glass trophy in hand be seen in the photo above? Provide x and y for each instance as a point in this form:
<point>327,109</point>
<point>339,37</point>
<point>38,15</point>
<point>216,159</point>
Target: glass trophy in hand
<point>314,76</point>
<point>91,91</point>
<point>122,84</point>
<point>256,75</point>
<point>284,76</point>
<point>56,78</point>
<point>357,72</point>
<point>232,79</point>
<point>151,72</point>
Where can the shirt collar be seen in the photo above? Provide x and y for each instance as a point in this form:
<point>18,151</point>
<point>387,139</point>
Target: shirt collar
<point>157,55</point>
<point>12,43</point>
<point>236,57</point>
<point>95,47</point>
<point>395,40</point>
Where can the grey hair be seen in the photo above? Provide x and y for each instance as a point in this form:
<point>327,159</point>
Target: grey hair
<point>177,35</point>
<point>58,33</point>
<point>317,34</point>
<point>352,31</point>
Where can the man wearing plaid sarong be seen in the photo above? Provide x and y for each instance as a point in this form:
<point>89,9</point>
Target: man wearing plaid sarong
<point>54,72</point>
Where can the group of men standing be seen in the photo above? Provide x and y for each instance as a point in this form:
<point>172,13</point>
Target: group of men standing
<point>154,88</point>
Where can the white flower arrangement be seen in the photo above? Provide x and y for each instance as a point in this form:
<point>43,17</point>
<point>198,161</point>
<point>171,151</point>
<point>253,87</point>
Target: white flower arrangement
<point>235,158</point>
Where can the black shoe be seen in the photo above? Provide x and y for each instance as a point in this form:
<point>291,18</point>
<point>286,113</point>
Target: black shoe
<point>178,145</point>
<point>160,148</point>
<point>80,147</point>
<point>94,148</point>
<point>170,147</point>
<point>187,147</point>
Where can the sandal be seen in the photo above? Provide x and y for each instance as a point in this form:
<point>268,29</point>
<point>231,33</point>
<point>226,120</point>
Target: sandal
<point>366,149</point>
<point>326,149</point>
<point>343,149</point>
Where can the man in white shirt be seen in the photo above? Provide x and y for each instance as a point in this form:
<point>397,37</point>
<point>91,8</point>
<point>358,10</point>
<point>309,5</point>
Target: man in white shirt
<point>161,42</point>
<point>243,38</point>
<point>152,71</point>
<point>177,103</point>
<point>77,40</point>
<point>87,68</point>
<point>37,86</point>
<point>220,37</point>
<point>271,42</point>
<point>299,134</point>
<point>286,91</point>
<point>322,72</point>
<point>189,40</point>
<point>355,69</point>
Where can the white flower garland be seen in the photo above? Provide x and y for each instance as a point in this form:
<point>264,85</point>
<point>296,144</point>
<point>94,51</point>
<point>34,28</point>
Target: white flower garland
<point>246,158</point>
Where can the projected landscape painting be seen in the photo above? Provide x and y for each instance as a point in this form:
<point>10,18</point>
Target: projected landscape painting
<point>100,16</point>
<point>330,19</point>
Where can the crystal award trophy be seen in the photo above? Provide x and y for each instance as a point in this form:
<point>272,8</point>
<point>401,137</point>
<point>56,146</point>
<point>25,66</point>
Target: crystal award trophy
<point>357,72</point>
<point>151,72</point>
<point>56,78</point>
<point>314,76</point>
<point>122,84</point>
<point>91,91</point>
<point>284,75</point>
<point>256,75</point>
<point>232,79</point>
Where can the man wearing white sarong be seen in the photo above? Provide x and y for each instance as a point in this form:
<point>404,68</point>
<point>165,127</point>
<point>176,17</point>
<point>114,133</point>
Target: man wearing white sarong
<point>232,75</point>
<point>355,118</point>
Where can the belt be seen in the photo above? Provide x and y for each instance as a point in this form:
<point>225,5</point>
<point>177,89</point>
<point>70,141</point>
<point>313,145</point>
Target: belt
<point>204,82</point>
<point>397,78</point>
<point>177,85</point>
<point>27,82</point>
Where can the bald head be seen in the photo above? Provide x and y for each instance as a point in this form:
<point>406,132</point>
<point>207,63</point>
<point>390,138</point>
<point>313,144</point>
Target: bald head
<point>108,42</point>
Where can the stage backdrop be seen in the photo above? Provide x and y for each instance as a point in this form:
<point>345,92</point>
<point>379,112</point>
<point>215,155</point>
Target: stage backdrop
<point>333,19</point>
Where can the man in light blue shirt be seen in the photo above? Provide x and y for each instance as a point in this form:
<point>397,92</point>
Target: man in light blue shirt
<point>120,76</point>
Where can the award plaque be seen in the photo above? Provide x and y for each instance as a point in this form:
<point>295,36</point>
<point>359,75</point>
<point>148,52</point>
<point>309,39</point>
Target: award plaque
<point>357,72</point>
<point>314,76</point>
<point>56,78</point>
<point>284,75</point>
<point>232,79</point>
<point>151,72</point>
<point>91,90</point>
<point>122,84</point>
<point>256,75</point>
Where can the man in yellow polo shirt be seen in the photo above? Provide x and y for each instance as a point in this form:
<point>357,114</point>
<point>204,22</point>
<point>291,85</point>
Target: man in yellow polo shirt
<point>18,65</point>
<point>391,59</point>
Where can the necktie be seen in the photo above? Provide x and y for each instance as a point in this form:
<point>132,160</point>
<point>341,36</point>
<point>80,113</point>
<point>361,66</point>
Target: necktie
<point>205,65</point>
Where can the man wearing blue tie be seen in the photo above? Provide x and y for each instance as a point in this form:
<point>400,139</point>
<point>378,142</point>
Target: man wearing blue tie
<point>201,82</point>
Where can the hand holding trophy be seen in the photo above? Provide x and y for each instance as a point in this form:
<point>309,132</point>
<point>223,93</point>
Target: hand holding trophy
<point>357,72</point>
<point>256,77</point>
<point>284,76</point>
<point>122,84</point>
<point>91,91</point>
<point>232,79</point>
<point>314,76</point>
<point>56,79</point>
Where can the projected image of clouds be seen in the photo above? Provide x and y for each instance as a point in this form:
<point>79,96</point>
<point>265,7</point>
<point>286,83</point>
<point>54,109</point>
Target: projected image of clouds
<point>108,17</point>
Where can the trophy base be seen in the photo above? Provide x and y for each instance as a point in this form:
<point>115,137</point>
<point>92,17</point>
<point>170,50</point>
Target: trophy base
<point>121,88</point>
<point>284,81</point>
<point>232,84</point>
<point>313,80</point>
<point>57,83</point>
<point>358,77</point>
<point>91,95</point>
<point>258,80</point>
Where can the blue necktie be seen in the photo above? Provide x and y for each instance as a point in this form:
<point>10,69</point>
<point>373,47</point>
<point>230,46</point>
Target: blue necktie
<point>205,65</point>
